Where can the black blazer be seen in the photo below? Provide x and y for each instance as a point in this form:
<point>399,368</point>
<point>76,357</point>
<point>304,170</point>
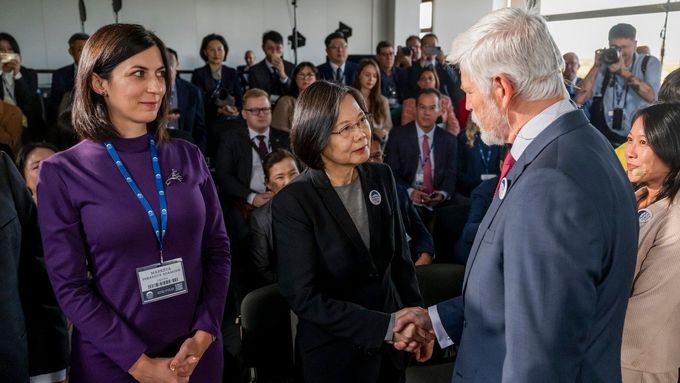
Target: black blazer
<point>33,340</point>
<point>402,153</point>
<point>235,161</point>
<point>202,78</point>
<point>262,257</point>
<point>342,292</point>
<point>191,112</point>
<point>63,80</point>
<point>326,72</point>
<point>421,238</point>
<point>260,77</point>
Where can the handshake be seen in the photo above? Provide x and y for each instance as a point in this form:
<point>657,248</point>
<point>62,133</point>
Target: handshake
<point>413,332</point>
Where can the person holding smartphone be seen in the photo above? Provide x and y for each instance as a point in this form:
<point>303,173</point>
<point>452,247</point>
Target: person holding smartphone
<point>433,56</point>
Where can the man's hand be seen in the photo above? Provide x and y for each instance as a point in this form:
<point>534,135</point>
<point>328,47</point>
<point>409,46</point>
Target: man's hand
<point>424,353</point>
<point>434,199</point>
<point>617,66</point>
<point>277,61</point>
<point>262,198</point>
<point>419,197</point>
<point>156,370</point>
<point>190,353</point>
<point>227,110</point>
<point>411,338</point>
<point>598,58</point>
<point>424,258</point>
<point>173,117</point>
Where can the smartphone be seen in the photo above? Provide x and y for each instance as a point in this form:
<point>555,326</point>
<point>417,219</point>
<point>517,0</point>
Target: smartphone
<point>7,57</point>
<point>433,51</point>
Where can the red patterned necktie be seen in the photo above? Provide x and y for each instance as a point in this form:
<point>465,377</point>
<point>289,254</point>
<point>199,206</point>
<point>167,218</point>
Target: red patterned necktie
<point>262,147</point>
<point>428,187</point>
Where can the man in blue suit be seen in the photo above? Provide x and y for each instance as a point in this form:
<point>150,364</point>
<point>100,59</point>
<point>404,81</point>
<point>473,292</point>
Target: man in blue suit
<point>64,77</point>
<point>337,68</point>
<point>550,271</point>
<point>186,118</point>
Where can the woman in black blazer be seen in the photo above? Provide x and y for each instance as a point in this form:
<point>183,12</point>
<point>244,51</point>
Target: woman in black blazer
<point>344,265</point>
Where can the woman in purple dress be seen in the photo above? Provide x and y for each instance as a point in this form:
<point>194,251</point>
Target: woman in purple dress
<point>135,244</point>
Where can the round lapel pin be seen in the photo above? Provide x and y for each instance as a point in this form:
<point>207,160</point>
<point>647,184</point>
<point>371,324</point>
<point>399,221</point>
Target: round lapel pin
<point>375,197</point>
<point>644,215</point>
<point>503,189</point>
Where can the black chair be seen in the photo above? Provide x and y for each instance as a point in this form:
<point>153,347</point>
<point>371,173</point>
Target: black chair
<point>437,282</point>
<point>449,222</point>
<point>267,341</point>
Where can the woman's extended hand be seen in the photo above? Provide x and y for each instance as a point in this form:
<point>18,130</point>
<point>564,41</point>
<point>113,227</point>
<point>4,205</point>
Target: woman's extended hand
<point>156,370</point>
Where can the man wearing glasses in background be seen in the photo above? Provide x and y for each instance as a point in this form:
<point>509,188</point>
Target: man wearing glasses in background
<point>337,68</point>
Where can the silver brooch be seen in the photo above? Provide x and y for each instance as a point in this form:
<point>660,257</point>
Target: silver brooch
<point>174,177</point>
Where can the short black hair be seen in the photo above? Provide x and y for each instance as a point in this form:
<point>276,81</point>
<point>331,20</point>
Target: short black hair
<point>275,157</point>
<point>661,123</point>
<point>314,119</point>
<point>11,40</point>
<point>25,150</point>
<point>381,45</point>
<point>294,90</point>
<point>207,39</point>
<point>333,36</point>
<point>272,36</point>
<point>622,31</point>
<point>412,37</point>
<point>670,89</point>
<point>429,35</point>
<point>77,37</point>
<point>429,91</point>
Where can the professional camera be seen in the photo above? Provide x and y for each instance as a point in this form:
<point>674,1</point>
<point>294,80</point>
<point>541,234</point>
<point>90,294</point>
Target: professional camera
<point>406,51</point>
<point>610,55</point>
<point>221,97</point>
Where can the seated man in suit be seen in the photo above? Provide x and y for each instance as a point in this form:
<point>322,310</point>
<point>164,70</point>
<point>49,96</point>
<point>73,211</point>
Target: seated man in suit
<point>393,80</point>
<point>423,157</point>
<point>186,118</point>
<point>550,271</point>
<point>64,77</point>
<point>337,68</point>
<point>273,73</point>
<point>243,71</point>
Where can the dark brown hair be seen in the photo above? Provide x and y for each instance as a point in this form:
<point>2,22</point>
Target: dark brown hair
<point>375,99</point>
<point>316,112</point>
<point>274,158</point>
<point>207,39</point>
<point>294,90</point>
<point>670,89</point>
<point>103,52</point>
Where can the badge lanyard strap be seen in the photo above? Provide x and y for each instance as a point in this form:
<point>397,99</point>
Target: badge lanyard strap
<point>485,160</point>
<point>159,232</point>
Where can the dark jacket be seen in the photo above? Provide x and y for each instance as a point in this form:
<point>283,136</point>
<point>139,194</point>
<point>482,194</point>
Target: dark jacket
<point>202,78</point>
<point>326,72</point>
<point>262,257</point>
<point>421,239</point>
<point>342,291</point>
<point>259,76</point>
<point>63,80</point>
<point>191,112</point>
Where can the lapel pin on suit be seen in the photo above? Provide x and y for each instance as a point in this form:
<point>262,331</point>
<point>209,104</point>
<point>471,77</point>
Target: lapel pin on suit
<point>174,177</point>
<point>644,215</point>
<point>503,189</point>
<point>375,197</point>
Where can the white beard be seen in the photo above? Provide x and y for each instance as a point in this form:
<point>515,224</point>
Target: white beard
<point>490,136</point>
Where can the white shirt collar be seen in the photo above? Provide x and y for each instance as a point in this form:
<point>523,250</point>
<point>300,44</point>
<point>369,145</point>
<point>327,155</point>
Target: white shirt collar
<point>538,123</point>
<point>421,133</point>
<point>335,66</point>
<point>253,134</point>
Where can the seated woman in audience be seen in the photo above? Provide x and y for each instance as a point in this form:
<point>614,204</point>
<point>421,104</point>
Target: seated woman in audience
<point>367,81</point>
<point>343,262</point>
<point>477,161</point>
<point>279,169</point>
<point>428,79</point>
<point>650,351</point>
<point>28,162</point>
<point>146,302</point>
<point>20,85</point>
<point>304,75</point>
<point>11,128</point>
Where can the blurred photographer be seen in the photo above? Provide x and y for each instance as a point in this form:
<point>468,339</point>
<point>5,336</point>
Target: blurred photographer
<point>620,82</point>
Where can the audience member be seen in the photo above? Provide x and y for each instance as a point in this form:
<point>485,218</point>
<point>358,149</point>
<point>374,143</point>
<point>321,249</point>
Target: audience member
<point>419,238</point>
<point>273,73</point>
<point>220,87</point>
<point>649,352</point>
<point>344,265</point>
<point>571,79</point>
<point>477,161</point>
<point>244,70</point>
<point>146,304</point>
<point>406,57</point>
<point>28,162</point>
<point>367,82</point>
<point>34,340</point>
<point>544,296</point>
<point>643,50</point>
<point>393,80</point>
<point>20,86</point>
<point>337,68</point>
<point>64,78</point>
<point>619,85</point>
<point>423,157</point>
<point>186,117</point>
<point>433,56</point>
<point>428,78</point>
<point>280,168</point>
<point>12,123</point>
<point>304,75</point>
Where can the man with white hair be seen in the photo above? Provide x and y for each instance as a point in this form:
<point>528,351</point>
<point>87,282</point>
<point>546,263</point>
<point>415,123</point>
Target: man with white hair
<point>548,278</point>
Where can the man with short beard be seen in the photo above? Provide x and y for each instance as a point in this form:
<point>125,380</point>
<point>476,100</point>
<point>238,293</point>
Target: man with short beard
<point>549,274</point>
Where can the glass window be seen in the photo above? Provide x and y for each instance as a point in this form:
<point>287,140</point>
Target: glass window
<point>425,17</point>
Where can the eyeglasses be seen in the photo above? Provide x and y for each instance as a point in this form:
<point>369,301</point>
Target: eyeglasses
<point>307,76</point>
<point>338,47</point>
<point>363,123</point>
<point>258,111</point>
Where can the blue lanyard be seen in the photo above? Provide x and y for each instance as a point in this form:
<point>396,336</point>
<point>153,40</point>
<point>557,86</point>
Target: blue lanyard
<point>160,232</point>
<point>487,160</point>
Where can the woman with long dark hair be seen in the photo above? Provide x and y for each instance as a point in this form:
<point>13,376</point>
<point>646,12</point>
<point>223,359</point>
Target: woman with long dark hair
<point>304,74</point>
<point>134,238</point>
<point>367,82</point>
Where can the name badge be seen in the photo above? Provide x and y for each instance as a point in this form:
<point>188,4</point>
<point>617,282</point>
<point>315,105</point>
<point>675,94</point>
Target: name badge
<point>161,281</point>
<point>487,176</point>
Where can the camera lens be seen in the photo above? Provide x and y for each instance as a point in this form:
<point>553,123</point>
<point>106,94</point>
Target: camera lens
<point>611,55</point>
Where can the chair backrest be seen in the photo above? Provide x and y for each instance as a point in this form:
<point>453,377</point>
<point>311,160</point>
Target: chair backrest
<point>267,343</point>
<point>439,282</point>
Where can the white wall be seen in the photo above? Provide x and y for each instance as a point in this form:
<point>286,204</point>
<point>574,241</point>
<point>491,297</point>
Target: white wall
<point>452,17</point>
<point>42,27</point>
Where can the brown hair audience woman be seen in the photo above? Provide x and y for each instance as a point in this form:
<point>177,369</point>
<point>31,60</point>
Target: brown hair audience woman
<point>428,79</point>
<point>367,82</point>
<point>304,75</point>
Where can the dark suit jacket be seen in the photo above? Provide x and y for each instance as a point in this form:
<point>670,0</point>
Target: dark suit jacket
<point>28,100</point>
<point>421,239</point>
<point>191,112</point>
<point>551,268</point>
<point>260,77</point>
<point>480,200</point>
<point>202,78</point>
<point>402,153</point>
<point>262,256</point>
<point>33,340</point>
<point>342,292</point>
<point>326,72</point>
<point>63,80</point>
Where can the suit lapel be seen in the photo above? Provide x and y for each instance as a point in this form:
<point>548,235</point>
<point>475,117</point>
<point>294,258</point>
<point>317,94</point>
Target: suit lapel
<point>375,214</point>
<point>564,124</point>
<point>439,157</point>
<point>412,158</point>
